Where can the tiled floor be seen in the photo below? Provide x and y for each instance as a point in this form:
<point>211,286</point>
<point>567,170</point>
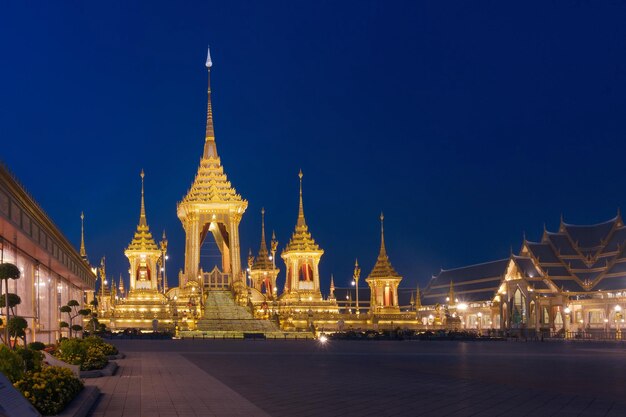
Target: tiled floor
<point>155,384</point>
<point>303,378</point>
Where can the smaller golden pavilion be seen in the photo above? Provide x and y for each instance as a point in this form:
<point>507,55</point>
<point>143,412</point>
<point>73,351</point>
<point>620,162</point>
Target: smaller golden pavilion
<point>302,256</point>
<point>145,306</point>
<point>383,281</point>
<point>262,268</point>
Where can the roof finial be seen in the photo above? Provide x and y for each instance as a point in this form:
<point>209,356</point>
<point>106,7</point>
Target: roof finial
<point>142,213</point>
<point>382,234</point>
<point>209,63</point>
<point>301,220</point>
<point>210,150</point>
<point>263,224</point>
<point>83,252</point>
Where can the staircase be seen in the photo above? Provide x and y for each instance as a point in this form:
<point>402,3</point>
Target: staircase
<point>223,317</point>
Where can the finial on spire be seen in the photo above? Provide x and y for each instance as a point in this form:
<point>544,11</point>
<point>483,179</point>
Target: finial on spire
<point>382,233</point>
<point>83,252</point>
<point>209,63</point>
<point>210,151</point>
<point>142,213</point>
<point>263,224</point>
<point>301,220</point>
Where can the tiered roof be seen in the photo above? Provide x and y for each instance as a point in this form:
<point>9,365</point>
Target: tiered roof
<point>211,184</point>
<point>471,283</point>
<point>301,240</point>
<point>576,259</point>
<point>383,269</point>
<point>143,240</point>
<point>262,261</point>
<point>582,258</point>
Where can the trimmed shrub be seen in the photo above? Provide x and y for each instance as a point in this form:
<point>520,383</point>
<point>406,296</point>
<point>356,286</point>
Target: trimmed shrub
<point>50,390</point>
<point>79,352</point>
<point>11,364</point>
<point>36,346</point>
<point>32,358</point>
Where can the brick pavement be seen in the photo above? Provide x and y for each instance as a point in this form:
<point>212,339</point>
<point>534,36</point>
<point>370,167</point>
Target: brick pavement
<point>289,378</point>
<point>155,384</point>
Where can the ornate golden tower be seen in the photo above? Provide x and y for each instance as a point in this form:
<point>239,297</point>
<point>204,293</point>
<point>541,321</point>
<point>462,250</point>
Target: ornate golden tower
<point>143,253</point>
<point>83,252</point>
<point>211,206</point>
<point>263,271</point>
<point>383,281</point>
<point>302,256</point>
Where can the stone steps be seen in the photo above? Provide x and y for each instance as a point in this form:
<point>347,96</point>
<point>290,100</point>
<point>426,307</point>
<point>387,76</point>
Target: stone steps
<point>222,314</point>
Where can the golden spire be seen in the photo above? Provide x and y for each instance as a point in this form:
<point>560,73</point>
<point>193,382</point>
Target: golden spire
<point>263,226</point>
<point>262,261</point>
<point>383,250</point>
<point>83,252</point>
<point>210,151</point>
<point>383,268</point>
<point>301,220</point>
<point>142,213</point>
<point>301,239</point>
<point>332,286</point>
<point>143,239</point>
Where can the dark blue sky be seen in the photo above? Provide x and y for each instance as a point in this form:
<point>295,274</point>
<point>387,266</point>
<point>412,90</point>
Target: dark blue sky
<point>466,122</point>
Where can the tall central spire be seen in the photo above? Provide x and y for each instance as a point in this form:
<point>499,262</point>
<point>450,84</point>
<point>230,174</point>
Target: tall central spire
<point>142,214</point>
<point>301,220</point>
<point>210,151</point>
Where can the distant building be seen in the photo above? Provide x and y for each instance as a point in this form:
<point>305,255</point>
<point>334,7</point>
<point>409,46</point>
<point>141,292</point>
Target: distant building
<point>52,271</point>
<point>572,280</point>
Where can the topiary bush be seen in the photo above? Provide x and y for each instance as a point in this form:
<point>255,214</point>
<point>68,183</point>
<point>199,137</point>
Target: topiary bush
<point>11,364</point>
<point>79,352</point>
<point>49,390</point>
<point>36,346</point>
<point>32,358</point>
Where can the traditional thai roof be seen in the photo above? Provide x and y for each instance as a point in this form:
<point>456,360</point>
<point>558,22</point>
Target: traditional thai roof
<point>143,240</point>
<point>301,240</point>
<point>262,260</point>
<point>383,269</point>
<point>211,184</point>
<point>478,282</point>
<point>581,258</point>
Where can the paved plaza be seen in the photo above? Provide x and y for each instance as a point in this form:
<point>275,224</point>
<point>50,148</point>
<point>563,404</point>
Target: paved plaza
<point>365,378</point>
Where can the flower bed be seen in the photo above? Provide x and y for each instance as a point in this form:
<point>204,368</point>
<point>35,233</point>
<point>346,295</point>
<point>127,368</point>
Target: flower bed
<point>50,389</point>
<point>90,353</point>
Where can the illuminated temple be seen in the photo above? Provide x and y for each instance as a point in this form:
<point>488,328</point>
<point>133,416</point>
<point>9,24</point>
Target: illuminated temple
<point>571,280</point>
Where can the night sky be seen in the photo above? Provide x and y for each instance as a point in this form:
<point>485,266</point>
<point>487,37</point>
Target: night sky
<point>467,123</point>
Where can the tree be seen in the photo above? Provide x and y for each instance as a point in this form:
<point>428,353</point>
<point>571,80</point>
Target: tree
<point>7,271</point>
<point>17,327</point>
<point>72,311</point>
<point>14,300</point>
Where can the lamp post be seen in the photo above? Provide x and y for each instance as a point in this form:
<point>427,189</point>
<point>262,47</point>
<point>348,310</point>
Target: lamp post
<point>479,322</point>
<point>618,319</point>
<point>356,276</point>
<point>567,312</point>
